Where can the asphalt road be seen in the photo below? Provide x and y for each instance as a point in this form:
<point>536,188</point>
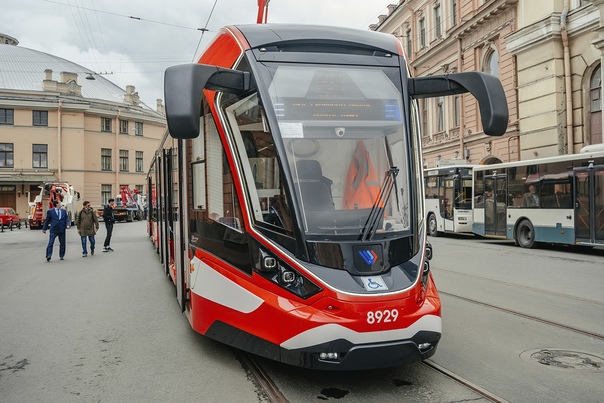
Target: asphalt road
<point>105,328</point>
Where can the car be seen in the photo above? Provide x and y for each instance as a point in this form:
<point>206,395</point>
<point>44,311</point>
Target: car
<point>9,218</point>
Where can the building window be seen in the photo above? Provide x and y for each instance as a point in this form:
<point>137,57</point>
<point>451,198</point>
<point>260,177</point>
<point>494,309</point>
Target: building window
<point>424,118</point>
<point>453,13</point>
<point>40,118</point>
<point>105,159</point>
<point>40,156</point>
<point>124,163</point>
<point>422,33</point>
<point>123,126</point>
<point>409,43</point>
<point>138,128</point>
<point>139,161</point>
<point>491,64</point>
<point>138,189</point>
<point>105,194</point>
<point>456,111</point>
<point>595,99</point>
<point>437,19</point>
<point>7,117</point>
<point>6,155</point>
<point>105,124</point>
<point>440,114</point>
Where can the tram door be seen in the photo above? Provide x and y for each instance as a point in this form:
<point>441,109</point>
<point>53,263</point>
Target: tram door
<point>589,204</point>
<point>165,205</point>
<point>494,207</point>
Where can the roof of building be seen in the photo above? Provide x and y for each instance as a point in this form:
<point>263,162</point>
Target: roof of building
<point>23,69</point>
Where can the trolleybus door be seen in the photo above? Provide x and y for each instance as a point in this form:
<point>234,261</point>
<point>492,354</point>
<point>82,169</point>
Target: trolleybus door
<point>494,206</point>
<point>448,203</point>
<point>589,204</point>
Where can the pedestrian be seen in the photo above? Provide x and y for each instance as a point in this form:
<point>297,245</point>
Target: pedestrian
<point>109,219</point>
<point>88,225</point>
<point>57,221</point>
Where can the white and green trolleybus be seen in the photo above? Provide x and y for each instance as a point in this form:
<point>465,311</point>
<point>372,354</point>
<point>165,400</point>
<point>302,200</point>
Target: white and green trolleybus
<point>448,199</point>
<point>552,200</point>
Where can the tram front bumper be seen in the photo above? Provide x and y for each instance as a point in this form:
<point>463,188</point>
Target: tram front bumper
<point>347,356</point>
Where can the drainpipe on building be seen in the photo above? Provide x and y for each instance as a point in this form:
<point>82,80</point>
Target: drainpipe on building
<point>117,153</point>
<point>567,79</point>
<point>59,142</point>
<point>462,120</point>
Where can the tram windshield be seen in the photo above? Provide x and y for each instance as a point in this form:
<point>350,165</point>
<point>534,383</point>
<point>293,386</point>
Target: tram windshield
<point>340,130</point>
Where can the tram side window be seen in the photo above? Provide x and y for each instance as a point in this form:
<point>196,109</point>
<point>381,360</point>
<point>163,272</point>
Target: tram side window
<point>260,168</point>
<point>213,194</point>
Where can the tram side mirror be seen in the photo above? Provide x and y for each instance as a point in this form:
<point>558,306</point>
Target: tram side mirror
<point>183,87</point>
<point>486,88</point>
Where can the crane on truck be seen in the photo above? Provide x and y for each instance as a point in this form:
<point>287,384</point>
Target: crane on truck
<point>49,192</point>
<point>127,207</point>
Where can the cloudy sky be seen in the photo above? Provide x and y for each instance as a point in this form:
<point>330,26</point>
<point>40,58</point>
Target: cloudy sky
<point>132,42</point>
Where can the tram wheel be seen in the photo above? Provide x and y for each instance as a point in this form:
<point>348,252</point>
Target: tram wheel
<point>432,226</point>
<point>525,234</point>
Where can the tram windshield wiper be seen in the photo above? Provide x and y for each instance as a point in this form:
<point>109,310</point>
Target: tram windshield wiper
<point>371,225</point>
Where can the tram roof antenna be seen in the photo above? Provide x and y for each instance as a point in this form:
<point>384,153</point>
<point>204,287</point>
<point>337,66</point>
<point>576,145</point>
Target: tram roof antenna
<point>262,11</point>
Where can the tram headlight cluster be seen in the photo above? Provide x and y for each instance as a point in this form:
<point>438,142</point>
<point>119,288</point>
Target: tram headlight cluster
<point>285,276</point>
<point>330,356</point>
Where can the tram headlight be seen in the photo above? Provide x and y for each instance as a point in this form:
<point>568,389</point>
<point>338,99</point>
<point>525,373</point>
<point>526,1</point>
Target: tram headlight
<point>285,276</point>
<point>288,276</point>
<point>425,274</point>
<point>269,263</point>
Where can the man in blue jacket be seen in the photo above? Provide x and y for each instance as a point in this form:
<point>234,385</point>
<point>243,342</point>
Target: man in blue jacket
<point>57,221</point>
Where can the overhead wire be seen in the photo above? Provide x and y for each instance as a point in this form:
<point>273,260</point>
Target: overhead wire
<point>130,17</point>
<point>92,45</point>
<point>204,29</point>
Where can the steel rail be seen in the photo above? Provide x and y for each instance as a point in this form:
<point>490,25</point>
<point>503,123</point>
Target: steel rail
<point>462,381</point>
<point>526,316</point>
<point>262,378</point>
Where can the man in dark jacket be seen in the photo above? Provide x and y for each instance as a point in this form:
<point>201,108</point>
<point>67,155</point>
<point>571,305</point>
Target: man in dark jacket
<point>109,219</point>
<point>88,225</point>
<point>57,221</point>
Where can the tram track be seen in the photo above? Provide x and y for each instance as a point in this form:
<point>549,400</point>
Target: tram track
<point>464,382</point>
<point>272,393</point>
<point>263,380</point>
<point>526,316</point>
<point>521,286</point>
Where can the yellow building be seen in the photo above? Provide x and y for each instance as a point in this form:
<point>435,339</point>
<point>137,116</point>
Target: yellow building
<point>546,54</point>
<point>62,122</point>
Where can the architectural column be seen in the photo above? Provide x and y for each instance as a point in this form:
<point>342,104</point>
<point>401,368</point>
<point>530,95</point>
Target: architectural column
<point>599,44</point>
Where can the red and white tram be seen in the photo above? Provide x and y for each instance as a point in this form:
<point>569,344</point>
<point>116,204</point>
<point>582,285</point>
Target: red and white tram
<point>286,202</point>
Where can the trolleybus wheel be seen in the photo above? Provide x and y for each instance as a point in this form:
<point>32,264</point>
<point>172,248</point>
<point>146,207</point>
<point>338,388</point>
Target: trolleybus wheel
<point>525,234</point>
<point>432,226</point>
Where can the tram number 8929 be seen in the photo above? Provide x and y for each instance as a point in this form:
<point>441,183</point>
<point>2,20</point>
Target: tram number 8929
<point>387,315</point>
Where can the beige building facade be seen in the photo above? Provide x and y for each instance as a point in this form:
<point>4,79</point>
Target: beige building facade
<point>62,122</point>
<point>540,50</point>
<point>559,76</point>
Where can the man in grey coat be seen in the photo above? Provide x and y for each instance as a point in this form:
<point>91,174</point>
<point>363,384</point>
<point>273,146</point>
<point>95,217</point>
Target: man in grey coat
<point>88,225</point>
